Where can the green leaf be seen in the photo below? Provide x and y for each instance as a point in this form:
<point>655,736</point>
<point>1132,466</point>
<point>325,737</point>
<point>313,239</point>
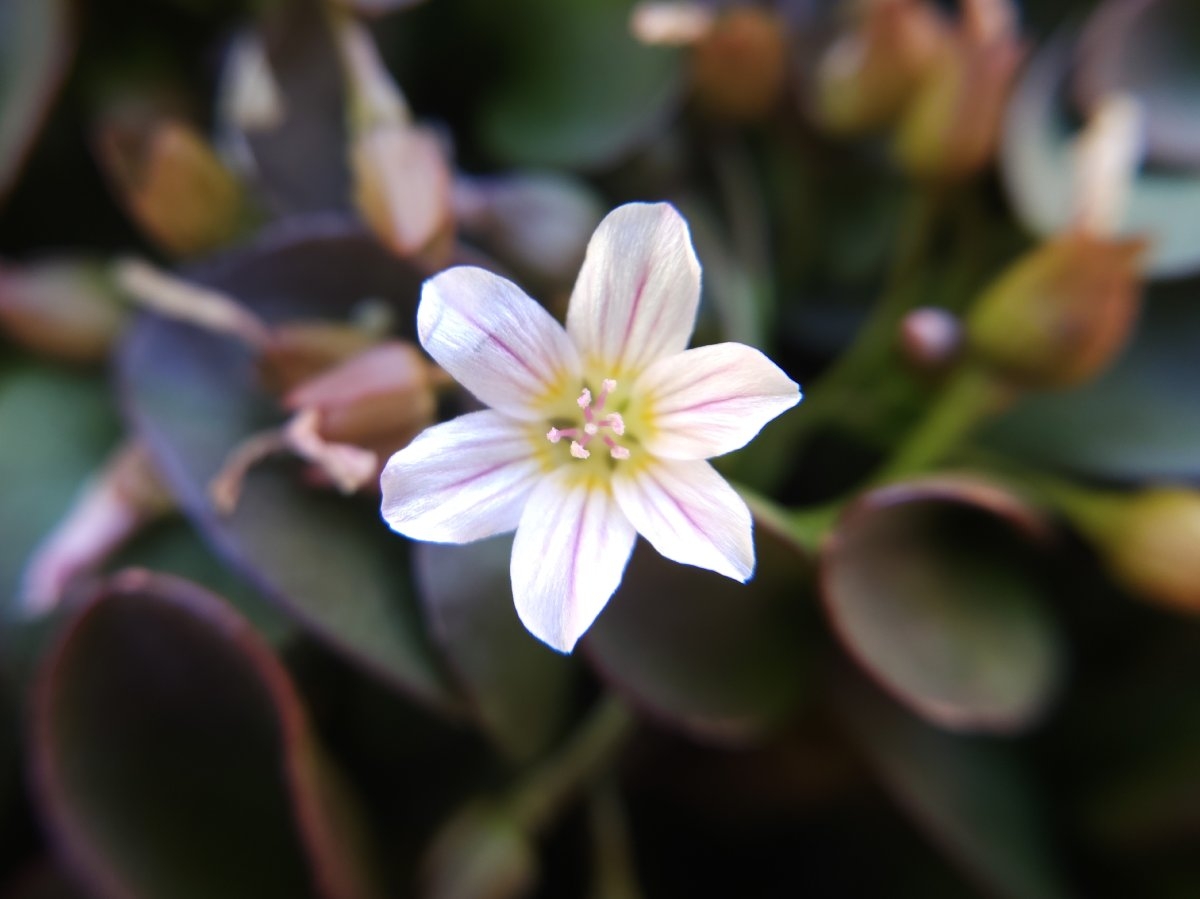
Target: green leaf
<point>173,756</point>
<point>36,46</point>
<point>173,547</point>
<point>58,427</point>
<point>520,689</point>
<point>578,91</point>
<point>931,592</point>
<point>722,660</point>
<point>967,793</point>
<point>328,561</point>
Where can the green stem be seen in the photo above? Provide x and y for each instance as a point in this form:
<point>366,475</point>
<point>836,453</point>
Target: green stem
<point>972,396</point>
<point>761,465</point>
<point>613,870</point>
<point>587,755</point>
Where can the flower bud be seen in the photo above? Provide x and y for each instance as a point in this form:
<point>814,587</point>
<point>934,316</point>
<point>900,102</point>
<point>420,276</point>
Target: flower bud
<point>378,399</point>
<point>403,188</point>
<point>869,73</point>
<point>1060,314</point>
<point>482,854</point>
<point>951,128</point>
<point>539,222</point>
<point>1150,541</point>
<point>402,179</point>
<point>347,420</point>
<point>931,339</point>
<point>300,350</point>
<point>739,67</point>
<point>670,23</point>
<point>64,309</point>
<point>173,185</point>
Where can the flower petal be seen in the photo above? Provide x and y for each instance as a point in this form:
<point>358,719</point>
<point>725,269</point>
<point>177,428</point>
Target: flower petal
<point>636,297</point>
<point>496,341</point>
<point>690,514</point>
<point>568,557</point>
<point>460,481</point>
<point>712,400</point>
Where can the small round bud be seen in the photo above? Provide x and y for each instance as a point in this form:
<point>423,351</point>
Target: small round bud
<point>931,339</point>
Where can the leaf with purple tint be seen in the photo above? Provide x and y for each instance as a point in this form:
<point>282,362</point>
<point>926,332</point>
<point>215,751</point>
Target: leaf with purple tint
<point>172,756</point>
<point>329,561</point>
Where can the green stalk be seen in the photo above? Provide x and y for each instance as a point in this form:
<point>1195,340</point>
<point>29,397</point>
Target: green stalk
<point>586,757</point>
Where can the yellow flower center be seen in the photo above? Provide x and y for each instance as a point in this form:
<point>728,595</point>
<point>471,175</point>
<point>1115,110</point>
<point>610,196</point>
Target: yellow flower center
<point>595,430</point>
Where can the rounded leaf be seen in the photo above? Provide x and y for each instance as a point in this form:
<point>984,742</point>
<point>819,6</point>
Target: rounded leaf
<point>172,756</point>
<point>577,91</point>
<point>520,689</point>
<point>930,591</point>
<point>722,660</point>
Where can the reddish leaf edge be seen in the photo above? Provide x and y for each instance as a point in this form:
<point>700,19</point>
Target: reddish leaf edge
<point>330,870</point>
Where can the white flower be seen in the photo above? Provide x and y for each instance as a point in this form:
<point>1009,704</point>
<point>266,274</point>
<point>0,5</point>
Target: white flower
<point>597,432</point>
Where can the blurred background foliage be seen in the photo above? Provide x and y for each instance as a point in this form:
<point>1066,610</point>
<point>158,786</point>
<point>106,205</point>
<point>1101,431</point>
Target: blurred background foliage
<point>969,662</point>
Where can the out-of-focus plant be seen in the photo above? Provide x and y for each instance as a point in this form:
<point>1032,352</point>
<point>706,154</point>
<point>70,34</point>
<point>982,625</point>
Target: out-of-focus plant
<point>230,234</point>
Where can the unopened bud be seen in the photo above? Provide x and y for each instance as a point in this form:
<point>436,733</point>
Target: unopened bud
<point>115,505</point>
<point>346,421</point>
<point>65,309</point>
<point>1059,315</point>
<point>931,339</point>
<point>1150,541</point>
<point>869,73</point>
<point>951,128</point>
<point>539,222</point>
<point>403,188</point>
<point>673,23</point>
<point>173,185</point>
<point>482,853</point>
<point>379,399</point>
<point>297,351</point>
<point>739,68</point>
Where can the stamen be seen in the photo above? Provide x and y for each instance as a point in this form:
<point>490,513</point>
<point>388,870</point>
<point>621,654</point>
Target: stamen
<point>578,451</point>
<point>616,423</point>
<point>554,434</point>
<point>591,429</point>
<point>607,386</point>
<point>585,399</point>
<point>618,452</point>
